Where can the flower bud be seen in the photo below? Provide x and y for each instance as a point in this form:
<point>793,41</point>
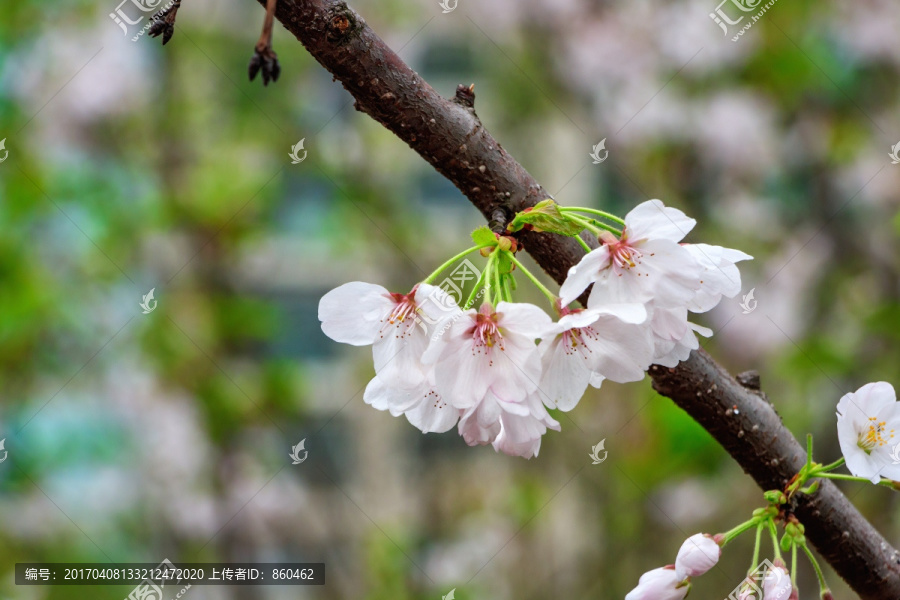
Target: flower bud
<point>775,497</point>
<point>698,554</point>
<point>777,584</point>
<point>660,584</point>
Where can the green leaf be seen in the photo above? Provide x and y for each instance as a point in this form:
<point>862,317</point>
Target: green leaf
<point>484,237</point>
<point>545,216</point>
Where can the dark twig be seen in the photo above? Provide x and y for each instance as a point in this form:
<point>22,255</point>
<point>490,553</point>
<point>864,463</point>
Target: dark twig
<point>164,22</point>
<point>264,58</point>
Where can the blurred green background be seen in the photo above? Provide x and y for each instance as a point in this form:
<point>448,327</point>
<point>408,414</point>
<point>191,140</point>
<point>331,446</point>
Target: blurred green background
<point>136,437</point>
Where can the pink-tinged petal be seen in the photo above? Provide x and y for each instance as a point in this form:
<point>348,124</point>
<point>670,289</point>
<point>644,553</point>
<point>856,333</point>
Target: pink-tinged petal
<point>480,424</point>
<point>673,273</point>
<point>719,276</point>
<point>654,220</point>
<point>619,351</point>
<point>522,318</point>
<point>659,584</point>
<point>565,377</point>
<point>584,274</point>
<point>397,353</point>
<point>462,377</point>
<point>668,353</point>
<point>521,435</point>
<point>777,584</point>
<point>435,306</point>
<point>628,313</point>
<point>697,555</point>
<point>664,274</point>
<point>382,396</point>
<point>352,313</point>
<point>431,414</point>
<point>597,380</point>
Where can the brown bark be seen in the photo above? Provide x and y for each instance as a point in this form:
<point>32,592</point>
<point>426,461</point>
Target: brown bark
<point>449,135</point>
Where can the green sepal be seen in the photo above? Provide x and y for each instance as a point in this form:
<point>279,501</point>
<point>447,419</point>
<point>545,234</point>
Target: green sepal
<point>484,237</point>
<point>545,216</point>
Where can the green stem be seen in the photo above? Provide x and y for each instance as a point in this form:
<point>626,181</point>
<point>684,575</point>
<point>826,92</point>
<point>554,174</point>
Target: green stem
<point>825,468</point>
<point>774,531</point>
<point>794,563</point>
<point>819,575</point>
<point>593,211</point>
<point>550,295</point>
<point>478,285</point>
<point>756,547</point>
<point>842,477</point>
<point>488,277</point>
<point>583,243</point>
<point>444,266</point>
<point>507,290</point>
<point>498,280</point>
<point>809,451</point>
<point>733,533</point>
<point>586,223</point>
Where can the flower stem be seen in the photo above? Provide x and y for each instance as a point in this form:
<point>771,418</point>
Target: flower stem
<point>842,477</point>
<point>583,243</point>
<point>488,277</point>
<point>794,563</point>
<point>498,280</point>
<point>823,587</point>
<point>507,288</point>
<point>756,546</point>
<point>733,533</point>
<point>825,468</point>
<point>593,211</point>
<point>586,223</point>
<point>774,531</point>
<point>593,224</point>
<point>447,264</point>
<point>550,295</point>
<point>478,285</point>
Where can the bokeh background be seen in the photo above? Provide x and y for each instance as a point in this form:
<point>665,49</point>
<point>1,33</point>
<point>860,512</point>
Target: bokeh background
<point>136,437</point>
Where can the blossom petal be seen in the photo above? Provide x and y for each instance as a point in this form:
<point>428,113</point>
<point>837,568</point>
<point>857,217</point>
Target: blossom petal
<point>719,276</point>
<point>432,414</point>
<point>352,313</point>
<point>398,351</point>
<point>523,318</point>
<point>382,396</point>
<point>654,220</point>
<point>584,274</point>
<point>564,378</point>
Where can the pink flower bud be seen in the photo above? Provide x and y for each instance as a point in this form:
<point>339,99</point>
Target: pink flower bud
<point>698,554</point>
<point>777,584</point>
<point>660,584</point>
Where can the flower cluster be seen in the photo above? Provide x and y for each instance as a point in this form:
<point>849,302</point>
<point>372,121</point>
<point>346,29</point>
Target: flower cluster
<point>494,372</point>
<point>697,555</point>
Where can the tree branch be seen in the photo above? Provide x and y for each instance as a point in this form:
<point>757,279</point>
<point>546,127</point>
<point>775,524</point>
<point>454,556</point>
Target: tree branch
<point>449,135</point>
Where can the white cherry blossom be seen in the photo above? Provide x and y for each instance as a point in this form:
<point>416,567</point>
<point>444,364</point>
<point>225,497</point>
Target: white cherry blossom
<point>868,427</point>
<point>645,264</point>
<point>719,275</point>
<point>590,345</point>
<point>361,314</point>
<point>487,364</point>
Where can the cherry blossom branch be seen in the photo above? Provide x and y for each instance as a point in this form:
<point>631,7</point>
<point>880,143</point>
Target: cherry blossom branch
<point>449,135</point>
